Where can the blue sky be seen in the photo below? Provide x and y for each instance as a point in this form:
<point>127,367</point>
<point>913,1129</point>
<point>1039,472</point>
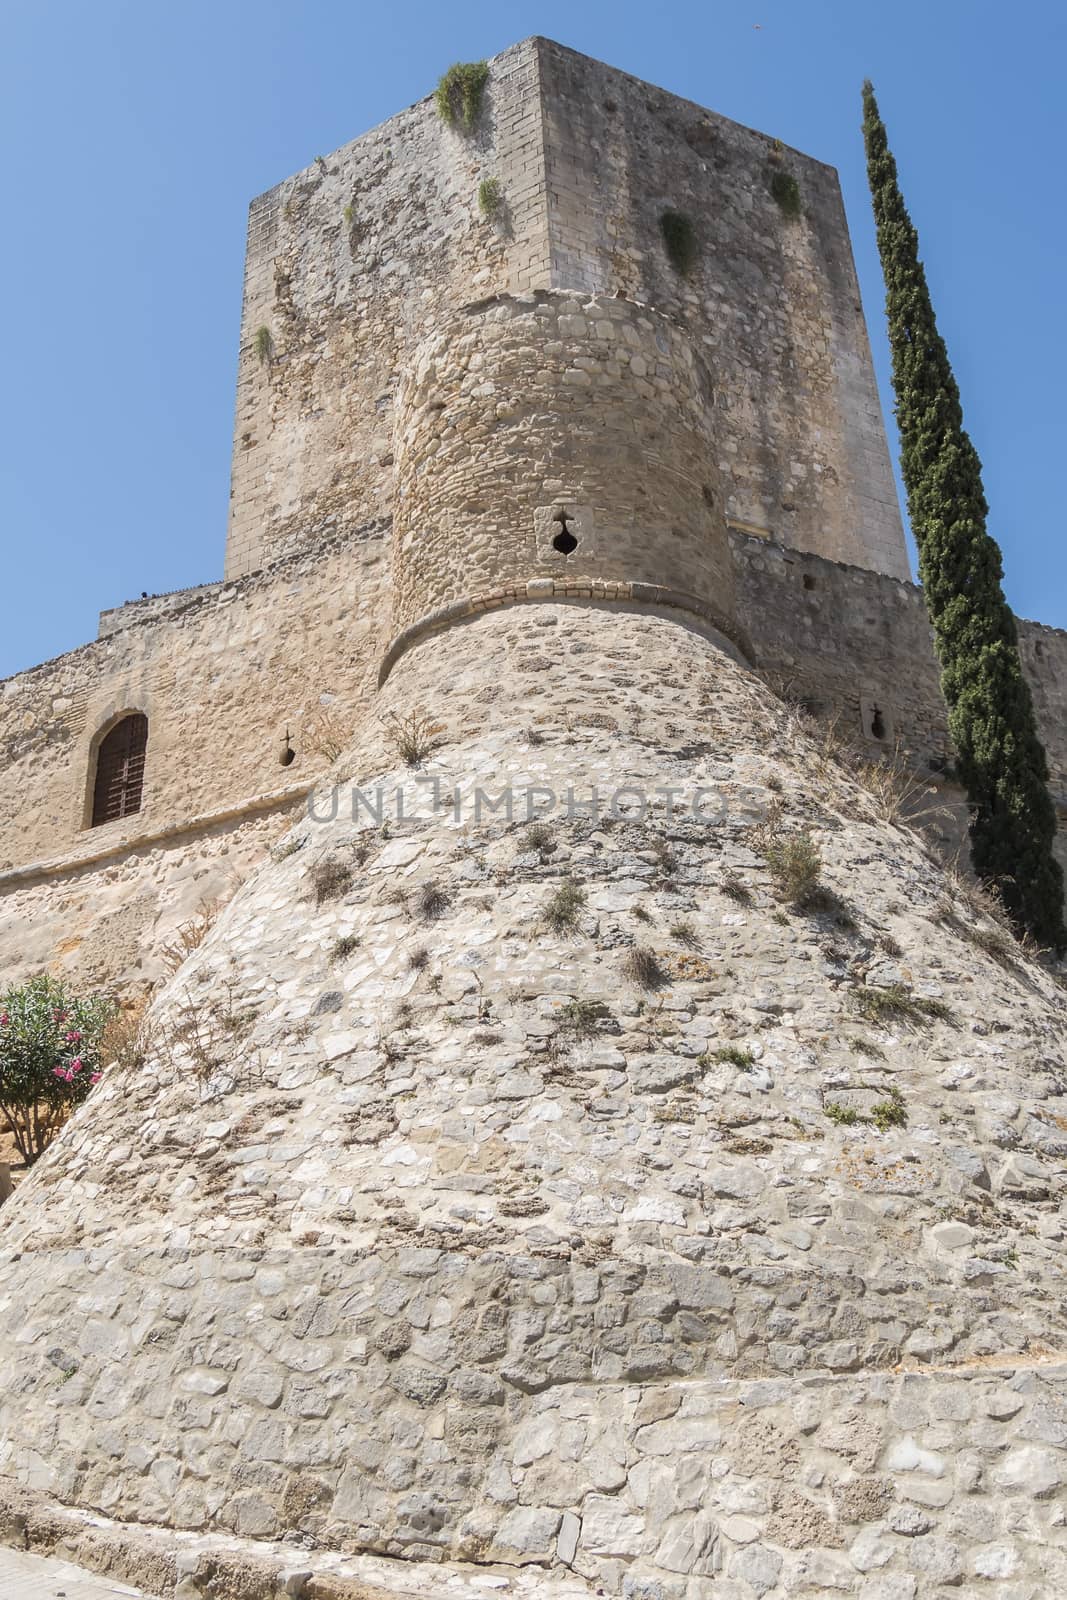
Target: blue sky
<point>135,132</point>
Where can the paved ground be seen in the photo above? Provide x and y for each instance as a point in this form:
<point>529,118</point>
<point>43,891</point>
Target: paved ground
<point>24,1577</point>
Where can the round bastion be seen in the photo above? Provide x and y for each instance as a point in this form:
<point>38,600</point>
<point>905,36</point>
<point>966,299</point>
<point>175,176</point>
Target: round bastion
<point>552,447</point>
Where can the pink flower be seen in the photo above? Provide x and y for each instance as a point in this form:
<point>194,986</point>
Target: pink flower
<point>4,1019</point>
<point>77,1064</point>
<point>94,1077</point>
<point>73,1036</point>
<point>59,1072</point>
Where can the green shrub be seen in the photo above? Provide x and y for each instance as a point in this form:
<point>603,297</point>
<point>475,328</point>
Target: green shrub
<point>785,191</point>
<point>735,1055</point>
<point>459,93</point>
<point>890,1113</point>
<point>897,1004</point>
<point>50,1057</point>
<point>580,1017</point>
<point>643,968</point>
<point>490,197</point>
<point>679,237</point>
<point>844,1116</point>
<point>565,907</point>
<point>795,865</point>
<point>264,345</point>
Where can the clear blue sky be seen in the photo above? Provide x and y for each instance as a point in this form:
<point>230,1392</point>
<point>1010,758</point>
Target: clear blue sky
<point>135,132</point>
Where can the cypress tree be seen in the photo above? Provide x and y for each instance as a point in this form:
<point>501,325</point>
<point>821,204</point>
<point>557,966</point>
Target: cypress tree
<point>1000,759</point>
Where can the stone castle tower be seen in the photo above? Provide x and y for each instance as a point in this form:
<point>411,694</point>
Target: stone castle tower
<point>525,1171</point>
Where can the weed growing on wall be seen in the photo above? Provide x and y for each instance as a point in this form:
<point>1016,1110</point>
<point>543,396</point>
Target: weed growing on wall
<point>643,968</point>
<point>490,197</point>
<point>897,1004</point>
<point>794,861</point>
<point>264,345</point>
<point>412,735</point>
<point>785,191</point>
<point>459,93</point>
<point>330,879</point>
<point>680,240</point>
<point>565,907</point>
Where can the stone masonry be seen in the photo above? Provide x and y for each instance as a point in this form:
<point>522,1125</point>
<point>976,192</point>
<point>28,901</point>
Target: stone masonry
<point>520,1179</point>
<point>426,1229</point>
<point>712,441</point>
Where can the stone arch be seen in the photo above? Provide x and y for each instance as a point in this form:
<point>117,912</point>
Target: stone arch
<point>115,773</point>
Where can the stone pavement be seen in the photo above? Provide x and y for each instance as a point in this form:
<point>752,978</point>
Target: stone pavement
<point>30,1577</point>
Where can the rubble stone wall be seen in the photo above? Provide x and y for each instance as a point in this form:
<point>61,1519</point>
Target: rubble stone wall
<point>427,1228</point>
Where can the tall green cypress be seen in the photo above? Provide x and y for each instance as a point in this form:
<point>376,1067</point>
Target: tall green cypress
<point>1000,759</point>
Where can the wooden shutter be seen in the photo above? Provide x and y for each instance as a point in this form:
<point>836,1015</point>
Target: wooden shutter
<point>120,770</point>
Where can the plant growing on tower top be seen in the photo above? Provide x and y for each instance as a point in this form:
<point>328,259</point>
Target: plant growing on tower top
<point>459,93</point>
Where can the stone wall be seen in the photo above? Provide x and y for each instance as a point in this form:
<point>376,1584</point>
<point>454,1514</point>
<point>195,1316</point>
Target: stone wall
<point>221,678</point>
<point>357,260</point>
<point>526,411</point>
<point>349,265</point>
<point>845,640</point>
<point>772,302</point>
<point>428,1227</point>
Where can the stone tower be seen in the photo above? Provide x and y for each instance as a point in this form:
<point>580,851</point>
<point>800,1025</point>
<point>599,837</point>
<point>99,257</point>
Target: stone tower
<point>404,324</point>
<point>600,1139</point>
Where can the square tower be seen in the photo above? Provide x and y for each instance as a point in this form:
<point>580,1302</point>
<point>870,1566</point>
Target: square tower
<point>355,262</point>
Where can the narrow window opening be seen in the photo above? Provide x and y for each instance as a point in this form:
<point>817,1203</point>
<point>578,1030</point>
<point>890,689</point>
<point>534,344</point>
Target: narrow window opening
<point>877,724</point>
<point>287,755</point>
<point>120,770</point>
<point>564,541</point>
<point>809,581</point>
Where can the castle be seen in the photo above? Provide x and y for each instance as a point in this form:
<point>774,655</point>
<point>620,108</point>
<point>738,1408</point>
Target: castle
<point>714,438</point>
<point>561,1198</point>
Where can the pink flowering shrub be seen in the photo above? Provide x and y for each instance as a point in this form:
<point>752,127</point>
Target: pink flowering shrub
<point>50,1057</point>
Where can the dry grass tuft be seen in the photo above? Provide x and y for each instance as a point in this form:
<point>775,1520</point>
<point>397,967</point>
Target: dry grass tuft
<point>563,911</point>
<point>643,968</point>
<point>330,879</point>
<point>326,735</point>
<point>123,1042</point>
<point>411,734</point>
<point>189,936</point>
<point>431,900</point>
